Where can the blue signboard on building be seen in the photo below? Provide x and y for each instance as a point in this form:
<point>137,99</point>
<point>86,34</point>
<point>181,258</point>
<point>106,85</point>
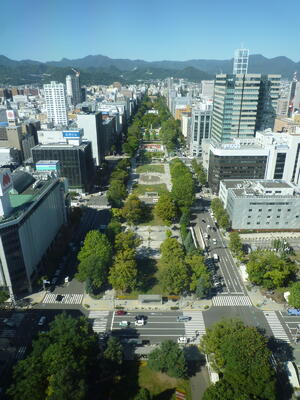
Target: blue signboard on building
<point>71,134</point>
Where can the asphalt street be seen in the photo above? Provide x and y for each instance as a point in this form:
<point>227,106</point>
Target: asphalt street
<point>216,245</point>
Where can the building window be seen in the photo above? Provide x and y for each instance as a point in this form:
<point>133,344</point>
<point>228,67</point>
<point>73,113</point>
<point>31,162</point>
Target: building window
<point>269,216</point>
<point>278,216</point>
<point>250,209</point>
<point>249,216</point>
<point>288,209</point>
<point>248,223</point>
<point>260,209</point>
<point>257,223</point>
<point>279,209</point>
<point>277,223</point>
<point>268,223</point>
<point>269,209</point>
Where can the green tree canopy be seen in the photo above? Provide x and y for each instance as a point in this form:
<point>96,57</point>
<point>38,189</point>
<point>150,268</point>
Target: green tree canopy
<point>269,269</point>
<point>198,270</point>
<point>126,240</point>
<point>168,358</point>
<point>60,364</point>
<point>294,297</point>
<point>95,258</point>
<point>143,394</point>
<point>123,273</point>
<point>133,210</point>
<point>165,208</point>
<point>235,244</point>
<point>116,193</point>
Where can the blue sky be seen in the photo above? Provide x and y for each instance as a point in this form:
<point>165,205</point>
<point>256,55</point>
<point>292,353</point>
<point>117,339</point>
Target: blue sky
<point>47,30</point>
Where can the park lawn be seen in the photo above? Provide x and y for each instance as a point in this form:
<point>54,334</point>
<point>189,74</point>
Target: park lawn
<point>159,383</point>
<point>151,168</point>
<point>153,220</point>
<point>159,188</point>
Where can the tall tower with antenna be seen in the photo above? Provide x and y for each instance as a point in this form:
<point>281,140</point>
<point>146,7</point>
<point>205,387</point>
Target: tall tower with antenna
<point>240,61</point>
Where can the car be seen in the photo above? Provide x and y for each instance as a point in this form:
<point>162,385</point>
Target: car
<point>42,320</point>
<point>182,340</point>
<point>120,312</point>
<point>214,241</point>
<point>124,324</point>
<point>208,227</point>
<point>293,311</point>
<point>203,220</point>
<point>9,323</point>
<point>216,257</point>
<point>59,297</point>
<point>139,322</point>
<point>206,236</point>
<point>54,281</point>
<point>139,316</point>
<point>183,318</point>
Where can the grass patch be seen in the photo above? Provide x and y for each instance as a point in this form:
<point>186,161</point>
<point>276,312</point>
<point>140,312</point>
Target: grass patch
<point>136,374</point>
<point>152,219</point>
<point>140,190</point>
<point>161,384</point>
<point>151,168</point>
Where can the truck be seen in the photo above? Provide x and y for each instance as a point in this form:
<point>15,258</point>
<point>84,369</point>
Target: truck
<point>216,257</point>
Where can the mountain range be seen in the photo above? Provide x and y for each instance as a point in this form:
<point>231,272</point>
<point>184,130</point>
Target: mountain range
<point>101,69</point>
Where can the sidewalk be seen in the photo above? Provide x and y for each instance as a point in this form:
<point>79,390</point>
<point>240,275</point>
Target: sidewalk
<point>134,305</point>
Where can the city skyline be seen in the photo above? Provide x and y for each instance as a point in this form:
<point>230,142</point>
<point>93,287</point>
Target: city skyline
<point>136,31</point>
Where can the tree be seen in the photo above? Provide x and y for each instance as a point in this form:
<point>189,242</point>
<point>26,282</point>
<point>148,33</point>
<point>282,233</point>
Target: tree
<point>245,353</point>
<point>133,210</point>
<point>165,208</point>
<point>113,351</point>
<point>269,269</point>
<point>143,394</point>
<point>294,297</point>
<point>60,364</point>
<point>183,191</point>
<point>235,244</point>
<point>123,273</point>
<point>168,358</point>
<point>199,273</point>
<point>113,229</point>
<point>95,258</point>
<point>4,295</point>
<point>126,240</point>
<point>171,250</point>
<point>116,193</point>
<point>174,278</point>
<point>222,390</point>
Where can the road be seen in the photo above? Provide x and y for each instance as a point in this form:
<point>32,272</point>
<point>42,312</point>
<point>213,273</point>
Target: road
<point>216,245</point>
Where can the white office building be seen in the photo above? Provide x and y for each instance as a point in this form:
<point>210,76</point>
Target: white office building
<point>56,103</point>
<point>240,61</point>
<point>200,127</point>
<point>261,204</point>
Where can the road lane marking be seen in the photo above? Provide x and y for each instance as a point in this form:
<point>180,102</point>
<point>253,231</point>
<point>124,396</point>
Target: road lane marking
<point>112,321</point>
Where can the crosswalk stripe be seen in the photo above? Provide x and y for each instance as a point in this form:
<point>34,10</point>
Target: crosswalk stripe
<point>21,352</point>
<point>196,323</point>
<point>69,298</point>
<point>7,333</point>
<point>99,320</point>
<point>224,301</point>
<point>276,326</point>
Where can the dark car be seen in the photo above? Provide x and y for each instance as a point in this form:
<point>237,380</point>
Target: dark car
<point>139,317</point>
<point>59,297</point>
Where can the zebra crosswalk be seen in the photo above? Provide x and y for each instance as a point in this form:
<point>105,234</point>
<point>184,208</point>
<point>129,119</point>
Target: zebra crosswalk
<point>195,327</point>
<point>99,320</point>
<point>229,301</point>
<point>276,326</point>
<point>20,353</point>
<point>64,298</point>
<point>7,333</point>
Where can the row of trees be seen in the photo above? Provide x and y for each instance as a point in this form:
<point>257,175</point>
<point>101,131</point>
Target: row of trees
<point>183,185</point>
<point>220,213</point>
<point>240,355</point>
<point>199,172</point>
<point>67,363</point>
<point>117,191</point>
<point>103,260</point>
<point>170,133</point>
<point>181,272</point>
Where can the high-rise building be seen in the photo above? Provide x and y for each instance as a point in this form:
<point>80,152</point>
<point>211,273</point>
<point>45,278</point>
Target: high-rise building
<point>56,103</point>
<point>24,239</point>
<point>242,105</point>
<point>73,88</point>
<point>200,128</point>
<point>91,123</point>
<point>240,61</point>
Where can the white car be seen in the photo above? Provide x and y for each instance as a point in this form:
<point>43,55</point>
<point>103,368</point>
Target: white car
<point>214,241</point>
<point>182,340</point>
<point>139,322</point>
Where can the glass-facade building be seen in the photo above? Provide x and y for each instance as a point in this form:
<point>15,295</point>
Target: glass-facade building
<point>243,104</point>
<point>76,162</point>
